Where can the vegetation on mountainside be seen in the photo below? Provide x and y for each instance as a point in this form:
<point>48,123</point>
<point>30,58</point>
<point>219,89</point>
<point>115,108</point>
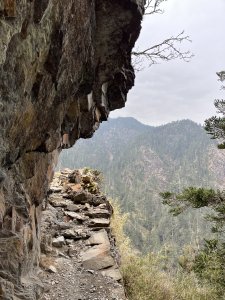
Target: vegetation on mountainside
<point>209,261</point>
<point>148,277</point>
<point>138,162</point>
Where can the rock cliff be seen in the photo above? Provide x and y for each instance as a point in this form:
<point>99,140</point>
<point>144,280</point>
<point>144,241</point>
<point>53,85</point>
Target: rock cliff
<point>64,65</point>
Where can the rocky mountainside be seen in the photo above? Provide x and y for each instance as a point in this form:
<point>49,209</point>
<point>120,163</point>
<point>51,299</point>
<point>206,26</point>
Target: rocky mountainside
<point>138,162</point>
<point>64,65</point>
<point>79,257</point>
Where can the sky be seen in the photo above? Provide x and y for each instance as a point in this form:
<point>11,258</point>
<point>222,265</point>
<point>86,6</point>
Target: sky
<point>177,90</point>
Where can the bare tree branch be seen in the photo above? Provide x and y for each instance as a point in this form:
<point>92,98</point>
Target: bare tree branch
<point>166,50</point>
<point>153,7</point>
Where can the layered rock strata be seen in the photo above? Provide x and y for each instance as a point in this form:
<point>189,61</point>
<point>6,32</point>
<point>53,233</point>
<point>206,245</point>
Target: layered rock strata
<point>79,257</point>
<point>64,65</point>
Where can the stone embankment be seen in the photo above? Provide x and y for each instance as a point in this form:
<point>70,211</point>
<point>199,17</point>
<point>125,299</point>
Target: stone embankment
<point>79,259</point>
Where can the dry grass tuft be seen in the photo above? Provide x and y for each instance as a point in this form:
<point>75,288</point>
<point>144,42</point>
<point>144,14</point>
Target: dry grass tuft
<point>143,277</point>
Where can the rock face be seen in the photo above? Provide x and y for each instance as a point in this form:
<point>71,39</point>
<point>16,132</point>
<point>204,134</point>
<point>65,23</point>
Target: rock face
<point>72,250</point>
<point>64,65</point>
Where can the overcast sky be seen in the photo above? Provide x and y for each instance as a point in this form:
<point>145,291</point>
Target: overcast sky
<point>177,90</point>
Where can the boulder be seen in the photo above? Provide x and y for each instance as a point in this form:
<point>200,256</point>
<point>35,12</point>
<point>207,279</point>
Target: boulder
<point>74,177</point>
<point>58,242</point>
<point>99,237</point>
<point>113,273</point>
<point>80,198</point>
<point>97,258</point>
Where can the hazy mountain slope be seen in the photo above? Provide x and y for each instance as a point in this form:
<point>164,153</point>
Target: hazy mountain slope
<point>139,161</point>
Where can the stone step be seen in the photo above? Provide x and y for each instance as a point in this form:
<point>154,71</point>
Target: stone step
<point>100,223</point>
<point>98,213</point>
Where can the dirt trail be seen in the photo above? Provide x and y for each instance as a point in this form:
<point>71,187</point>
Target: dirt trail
<point>79,258</point>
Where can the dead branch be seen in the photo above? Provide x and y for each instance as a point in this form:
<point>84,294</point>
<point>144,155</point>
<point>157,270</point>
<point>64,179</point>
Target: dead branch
<point>153,7</point>
<point>165,51</point>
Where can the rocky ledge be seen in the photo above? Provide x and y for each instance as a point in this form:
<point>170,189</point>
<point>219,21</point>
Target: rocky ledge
<point>79,257</point>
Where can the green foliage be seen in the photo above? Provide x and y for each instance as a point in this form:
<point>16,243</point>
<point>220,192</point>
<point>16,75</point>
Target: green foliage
<point>193,197</point>
<point>189,197</point>
<point>215,125</point>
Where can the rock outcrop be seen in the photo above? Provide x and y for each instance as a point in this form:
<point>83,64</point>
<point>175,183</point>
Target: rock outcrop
<point>79,257</point>
<point>64,65</point>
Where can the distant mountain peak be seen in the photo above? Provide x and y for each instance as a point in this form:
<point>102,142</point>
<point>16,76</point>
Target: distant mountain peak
<point>133,121</point>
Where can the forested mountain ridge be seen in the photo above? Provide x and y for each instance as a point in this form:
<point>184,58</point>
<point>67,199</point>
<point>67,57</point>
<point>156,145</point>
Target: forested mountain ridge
<point>139,161</point>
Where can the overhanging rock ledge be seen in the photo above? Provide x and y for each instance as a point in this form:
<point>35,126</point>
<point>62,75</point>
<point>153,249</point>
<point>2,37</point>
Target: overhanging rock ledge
<point>64,65</point>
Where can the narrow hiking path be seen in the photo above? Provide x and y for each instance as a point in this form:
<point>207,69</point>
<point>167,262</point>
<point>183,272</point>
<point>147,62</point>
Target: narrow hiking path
<point>79,259</point>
